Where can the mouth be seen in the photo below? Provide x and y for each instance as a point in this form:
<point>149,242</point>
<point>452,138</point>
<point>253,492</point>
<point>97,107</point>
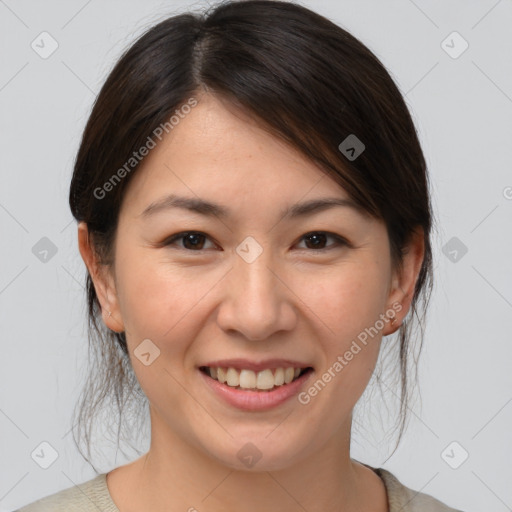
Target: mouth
<point>265,380</point>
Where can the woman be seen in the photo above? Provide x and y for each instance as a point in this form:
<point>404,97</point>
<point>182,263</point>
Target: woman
<point>253,211</point>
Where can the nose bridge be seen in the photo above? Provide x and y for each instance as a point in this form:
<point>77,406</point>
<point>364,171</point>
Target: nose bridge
<point>256,303</point>
<point>257,284</point>
<point>257,277</point>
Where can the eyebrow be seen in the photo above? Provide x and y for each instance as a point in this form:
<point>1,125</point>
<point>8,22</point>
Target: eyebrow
<point>210,209</point>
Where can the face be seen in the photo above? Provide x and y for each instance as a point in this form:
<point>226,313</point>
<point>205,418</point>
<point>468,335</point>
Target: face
<point>251,289</point>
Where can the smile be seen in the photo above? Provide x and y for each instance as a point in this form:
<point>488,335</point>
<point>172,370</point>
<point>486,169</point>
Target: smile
<point>245,379</point>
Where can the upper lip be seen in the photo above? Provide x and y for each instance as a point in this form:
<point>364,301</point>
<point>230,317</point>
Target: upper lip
<point>245,364</point>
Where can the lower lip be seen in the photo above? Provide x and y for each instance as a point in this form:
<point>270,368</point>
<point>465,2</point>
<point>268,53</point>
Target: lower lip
<point>256,400</point>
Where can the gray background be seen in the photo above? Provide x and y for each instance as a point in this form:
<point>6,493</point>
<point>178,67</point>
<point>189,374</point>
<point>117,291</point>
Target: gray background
<point>463,110</point>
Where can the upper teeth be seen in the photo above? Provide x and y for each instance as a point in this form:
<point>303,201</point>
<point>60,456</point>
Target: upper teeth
<point>248,379</point>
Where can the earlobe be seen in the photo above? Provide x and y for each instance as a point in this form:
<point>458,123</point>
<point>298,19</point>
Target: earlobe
<point>405,278</point>
<point>102,279</point>
<point>394,318</point>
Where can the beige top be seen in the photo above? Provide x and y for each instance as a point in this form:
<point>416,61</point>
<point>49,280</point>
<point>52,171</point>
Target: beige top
<point>93,496</point>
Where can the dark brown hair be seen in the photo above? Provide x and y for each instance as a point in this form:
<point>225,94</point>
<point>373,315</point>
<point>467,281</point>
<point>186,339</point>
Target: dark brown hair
<point>304,79</point>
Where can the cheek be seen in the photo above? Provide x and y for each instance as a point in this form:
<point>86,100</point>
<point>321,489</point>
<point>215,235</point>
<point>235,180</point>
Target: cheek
<point>347,300</point>
<point>161,301</point>
<point>345,306</point>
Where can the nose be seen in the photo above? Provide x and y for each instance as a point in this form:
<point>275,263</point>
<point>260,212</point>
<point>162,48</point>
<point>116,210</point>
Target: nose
<point>258,300</point>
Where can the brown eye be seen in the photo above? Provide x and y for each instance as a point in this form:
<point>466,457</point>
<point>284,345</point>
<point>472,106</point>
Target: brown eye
<point>193,241</point>
<point>317,240</point>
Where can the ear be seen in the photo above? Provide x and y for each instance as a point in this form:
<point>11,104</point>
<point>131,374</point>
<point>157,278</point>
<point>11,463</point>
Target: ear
<point>404,280</point>
<point>103,280</point>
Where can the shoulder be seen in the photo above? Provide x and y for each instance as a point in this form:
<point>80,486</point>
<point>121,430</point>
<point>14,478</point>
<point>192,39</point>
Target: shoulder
<point>93,495</point>
<point>403,499</point>
<point>89,496</point>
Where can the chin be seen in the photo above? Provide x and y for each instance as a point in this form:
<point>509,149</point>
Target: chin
<point>259,452</point>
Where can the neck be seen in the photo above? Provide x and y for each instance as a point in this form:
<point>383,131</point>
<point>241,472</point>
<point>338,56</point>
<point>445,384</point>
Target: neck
<point>175,475</point>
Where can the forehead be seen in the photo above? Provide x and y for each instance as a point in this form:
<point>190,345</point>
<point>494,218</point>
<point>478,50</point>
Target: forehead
<point>218,151</point>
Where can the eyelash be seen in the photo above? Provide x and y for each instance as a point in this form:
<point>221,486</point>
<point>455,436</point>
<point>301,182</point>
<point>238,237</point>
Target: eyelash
<point>339,241</point>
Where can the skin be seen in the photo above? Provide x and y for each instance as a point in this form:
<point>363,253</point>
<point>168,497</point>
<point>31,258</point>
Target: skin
<point>294,301</point>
